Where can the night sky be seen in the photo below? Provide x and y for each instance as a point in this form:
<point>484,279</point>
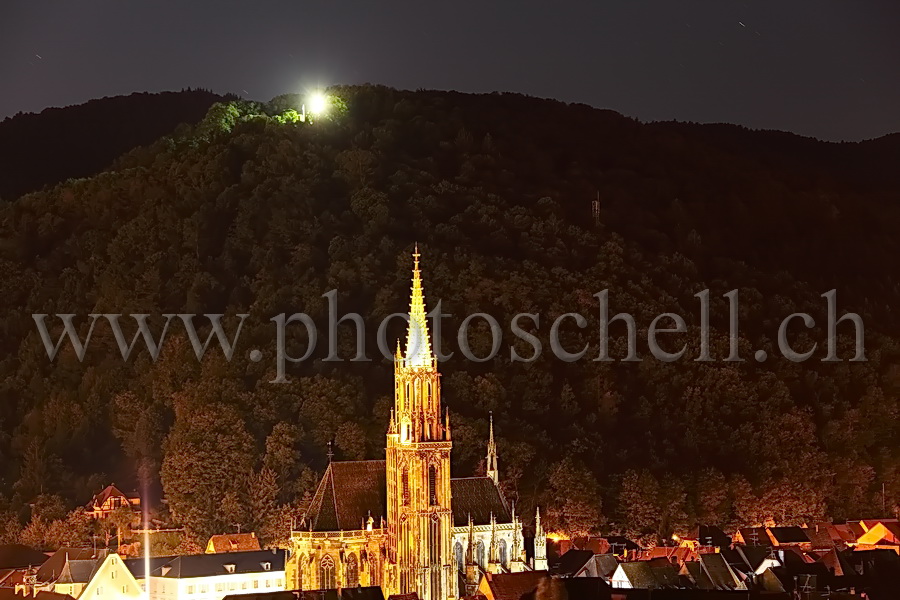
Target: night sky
<point>826,68</point>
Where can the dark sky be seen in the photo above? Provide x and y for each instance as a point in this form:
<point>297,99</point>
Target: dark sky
<point>826,68</point>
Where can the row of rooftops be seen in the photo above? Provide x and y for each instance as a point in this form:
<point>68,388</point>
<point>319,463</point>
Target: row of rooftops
<point>78,565</point>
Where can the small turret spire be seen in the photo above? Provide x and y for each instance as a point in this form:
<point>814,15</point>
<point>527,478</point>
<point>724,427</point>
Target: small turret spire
<point>540,543</point>
<point>492,470</point>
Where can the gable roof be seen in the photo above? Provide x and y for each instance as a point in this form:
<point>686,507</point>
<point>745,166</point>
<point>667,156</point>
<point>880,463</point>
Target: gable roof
<point>709,535</point>
<point>570,563</point>
<point>208,565</point>
<point>58,567</point>
<point>512,586</point>
<point>789,535</point>
<point>17,556</point>
<point>639,574</point>
<point>607,564</point>
<point>479,497</point>
<point>698,577</point>
<point>236,542</point>
<point>720,574</point>
<point>108,492</point>
<point>349,492</point>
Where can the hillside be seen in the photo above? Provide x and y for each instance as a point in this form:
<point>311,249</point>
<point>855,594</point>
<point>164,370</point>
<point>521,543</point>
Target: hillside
<point>78,141</point>
<point>248,212</point>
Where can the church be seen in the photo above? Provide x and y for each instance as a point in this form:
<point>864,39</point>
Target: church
<point>403,523</point>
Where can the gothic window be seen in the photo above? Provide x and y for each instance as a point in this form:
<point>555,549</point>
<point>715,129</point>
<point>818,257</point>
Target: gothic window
<point>374,570</point>
<point>326,573</point>
<point>458,552</point>
<point>432,485</point>
<point>503,554</point>
<point>405,478</point>
<point>479,554</point>
<point>352,571</point>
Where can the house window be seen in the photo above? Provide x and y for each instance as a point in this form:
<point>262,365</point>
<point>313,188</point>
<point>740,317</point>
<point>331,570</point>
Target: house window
<point>280,583</point>
<point>244,585</point>
<point>432,485</point>
<point>503,553</point>
<point>326,573</point>
<point>190,589</point>
<point>229,568</point>
<point>255,584</point>
<point>266,566</point>
<point>405,478</point>
<point>458,553</point>
<point>112,575</point>
<point>204,588</point>
<point>352,571</point>
<point>220,587</point>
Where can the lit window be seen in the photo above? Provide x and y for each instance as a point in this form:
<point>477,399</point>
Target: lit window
<point>405,487</point>
<point>432,485</point>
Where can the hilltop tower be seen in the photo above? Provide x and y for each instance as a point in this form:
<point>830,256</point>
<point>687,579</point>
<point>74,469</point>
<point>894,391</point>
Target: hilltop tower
<point>417,466</point>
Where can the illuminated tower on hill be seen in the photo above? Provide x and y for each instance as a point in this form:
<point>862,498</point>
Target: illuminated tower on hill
<point>418,466</point>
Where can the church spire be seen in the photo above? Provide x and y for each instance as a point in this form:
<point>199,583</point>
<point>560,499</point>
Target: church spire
<point>492,454</point>
<point>540,543</point>
<point>418,344</point>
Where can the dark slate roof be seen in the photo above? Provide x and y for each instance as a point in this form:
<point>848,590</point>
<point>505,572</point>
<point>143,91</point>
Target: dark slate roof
<point>575,588</point>
<point>479,497</point>
<point>57,565</point>
<point>755,536</point>
<point>571,562</point>
<point>698,576</point>
<point>607,563</point>
<point>720,574</point>
<point>709,535</point>
<point>16,556</point>
<point>79,571</point>
<point>755,555</point>
<point>789,535</point>
<point>639,574</point>
<point>619,542</point>
<point>136,565</point>
<point>208,565</point>
<point>358,593</point>
<point>349,492</point>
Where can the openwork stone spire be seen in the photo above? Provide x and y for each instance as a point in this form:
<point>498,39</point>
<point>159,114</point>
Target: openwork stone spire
<point>418,344</point>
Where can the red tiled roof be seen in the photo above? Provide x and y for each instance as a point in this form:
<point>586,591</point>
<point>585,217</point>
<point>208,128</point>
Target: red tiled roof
<point>512,586</point>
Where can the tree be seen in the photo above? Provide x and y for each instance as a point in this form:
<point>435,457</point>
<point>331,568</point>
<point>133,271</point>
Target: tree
<point>573,500</point>
<point>123,519</point>
<point>263,491</point>
<point>638,506</point>
<point>208,454</point>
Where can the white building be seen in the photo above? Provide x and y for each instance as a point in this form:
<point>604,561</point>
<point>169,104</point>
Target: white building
<point>214,576</point>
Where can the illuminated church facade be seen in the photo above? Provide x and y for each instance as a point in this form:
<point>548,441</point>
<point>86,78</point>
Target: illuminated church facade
<point>403,523</point>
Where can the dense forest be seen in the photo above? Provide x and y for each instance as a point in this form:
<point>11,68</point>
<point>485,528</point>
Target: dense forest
<point>78,141</point>
<point>251,211</point>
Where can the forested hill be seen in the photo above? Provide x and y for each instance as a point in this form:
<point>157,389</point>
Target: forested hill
<point>251,211</point>
<point>78,141</point>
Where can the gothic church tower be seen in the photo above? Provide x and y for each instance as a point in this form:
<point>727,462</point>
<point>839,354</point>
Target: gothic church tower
<point>418,466</point>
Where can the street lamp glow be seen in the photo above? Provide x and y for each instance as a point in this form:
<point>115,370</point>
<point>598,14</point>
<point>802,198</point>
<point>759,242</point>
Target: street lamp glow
<point>318,103</point>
